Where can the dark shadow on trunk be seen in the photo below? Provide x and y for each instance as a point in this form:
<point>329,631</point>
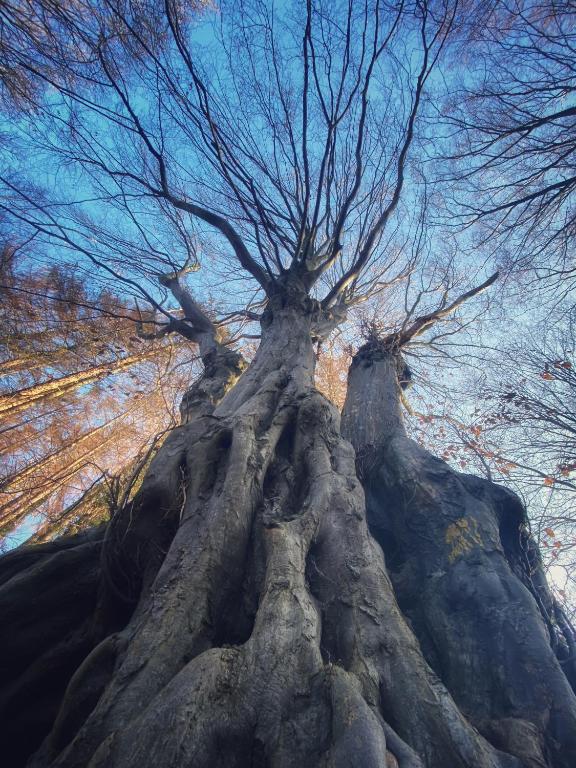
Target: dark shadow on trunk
<point>454,547</point>
<point>47,601</point>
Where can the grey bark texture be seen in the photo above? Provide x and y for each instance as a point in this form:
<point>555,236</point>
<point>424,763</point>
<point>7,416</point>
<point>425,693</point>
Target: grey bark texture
<point>466,575</point>
<point>241,612</point>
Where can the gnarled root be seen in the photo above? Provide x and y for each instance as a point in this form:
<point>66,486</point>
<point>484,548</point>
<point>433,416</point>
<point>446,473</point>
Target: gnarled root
<point>327,659</point>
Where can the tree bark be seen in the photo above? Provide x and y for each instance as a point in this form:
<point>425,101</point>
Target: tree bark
<point>457,551</point>
<point>245,616</point>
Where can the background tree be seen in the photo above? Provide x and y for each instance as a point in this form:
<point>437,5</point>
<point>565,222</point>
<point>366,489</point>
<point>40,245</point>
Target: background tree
<point>81,393</point>
<point>512,135</point>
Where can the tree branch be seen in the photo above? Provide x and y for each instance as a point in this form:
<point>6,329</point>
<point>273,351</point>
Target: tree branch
<point>400,338</point>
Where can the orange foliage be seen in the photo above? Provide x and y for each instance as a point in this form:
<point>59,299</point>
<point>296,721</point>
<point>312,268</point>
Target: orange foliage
<point>81,394</point>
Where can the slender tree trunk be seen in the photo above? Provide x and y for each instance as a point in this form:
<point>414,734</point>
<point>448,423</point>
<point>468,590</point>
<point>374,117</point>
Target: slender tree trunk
<point>13,483</point>
<point>93,504</point>
<point>245,616</point>
<point>25,363</point>
<point>32,360</point>
<point>23,503</point>
<point>15,403</point>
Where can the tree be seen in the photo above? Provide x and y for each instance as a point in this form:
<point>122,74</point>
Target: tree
<point>456,520</point>
<point>522,431</point>
<point>512,135</point>
<point>80,393</point>
<point>237,610</point>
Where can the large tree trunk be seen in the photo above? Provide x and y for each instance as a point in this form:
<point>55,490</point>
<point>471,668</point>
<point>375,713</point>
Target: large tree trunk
<point>245,616</point>
<point>466,575</point>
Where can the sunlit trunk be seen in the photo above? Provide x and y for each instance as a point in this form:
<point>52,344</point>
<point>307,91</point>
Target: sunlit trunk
<point>14,482</point>
<point>18,504</point>
<point>13,404</point>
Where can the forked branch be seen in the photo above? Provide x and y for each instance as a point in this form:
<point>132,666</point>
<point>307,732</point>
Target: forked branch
<point>401,338</point>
